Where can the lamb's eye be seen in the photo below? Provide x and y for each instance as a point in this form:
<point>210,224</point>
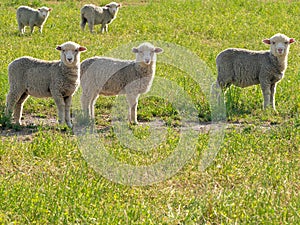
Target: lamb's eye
<point>286,42</point>
<point>273,42</point>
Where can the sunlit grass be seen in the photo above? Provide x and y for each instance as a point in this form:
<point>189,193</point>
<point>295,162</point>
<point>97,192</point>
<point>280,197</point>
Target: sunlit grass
<point>254,179</point>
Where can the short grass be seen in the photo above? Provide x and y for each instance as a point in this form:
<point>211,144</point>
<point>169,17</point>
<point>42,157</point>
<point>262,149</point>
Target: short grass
<point>254,179</point>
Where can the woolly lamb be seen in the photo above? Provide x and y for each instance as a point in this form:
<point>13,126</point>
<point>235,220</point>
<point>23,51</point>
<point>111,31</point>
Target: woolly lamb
<point>58,79</point>
<point>27,16</point>
<point>244,68</point>
<point>94,15</point>
<point>109,77</point>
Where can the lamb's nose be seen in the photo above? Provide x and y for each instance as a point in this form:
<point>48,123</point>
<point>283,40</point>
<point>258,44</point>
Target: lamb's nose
<point>69,59</point>
<point>280,50</point>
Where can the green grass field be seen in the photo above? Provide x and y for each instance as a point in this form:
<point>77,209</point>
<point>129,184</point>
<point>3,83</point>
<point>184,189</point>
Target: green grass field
<point>48,176</point>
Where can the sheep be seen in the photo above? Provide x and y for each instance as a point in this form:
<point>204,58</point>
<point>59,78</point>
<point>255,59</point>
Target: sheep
<point>94,15</point>
<point>243,68</point>
<point>58,79</point>
<point>27,16</point>
<point>110,77</point>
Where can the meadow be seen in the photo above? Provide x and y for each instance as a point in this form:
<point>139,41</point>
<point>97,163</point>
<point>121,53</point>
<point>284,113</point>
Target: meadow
<point>47,176</point>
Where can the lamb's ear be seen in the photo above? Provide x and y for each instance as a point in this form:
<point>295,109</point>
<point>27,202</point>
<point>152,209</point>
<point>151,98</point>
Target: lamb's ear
<point>135,50</point>
<point>108,6</point>
<point>82,49</point>
<point>292,40</point>
<point>267,41</point>
<point>119,5</point>
<point>58,48</point>
<point>50,9</point>
<point>158,50</point>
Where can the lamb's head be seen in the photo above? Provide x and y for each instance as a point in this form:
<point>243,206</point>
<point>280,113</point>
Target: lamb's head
<point>70,53</point>
<point>44,11</point>
<point>146,53</point>
<point>113,8</point>
<point>279,44</point>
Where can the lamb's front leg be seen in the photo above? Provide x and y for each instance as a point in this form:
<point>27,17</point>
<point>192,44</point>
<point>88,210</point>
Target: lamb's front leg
<point>60,103</point>
<point>68,102</point>
<point>266,90</point>
<point>272,97</point>
<point>133,103</point>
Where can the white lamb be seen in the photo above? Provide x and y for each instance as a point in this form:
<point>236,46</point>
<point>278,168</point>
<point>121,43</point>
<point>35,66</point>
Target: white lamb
<point>94,15</point>
<point>108,76</point>
<point>58,79</point>
<point>27,16</point>
<point>244,68</point>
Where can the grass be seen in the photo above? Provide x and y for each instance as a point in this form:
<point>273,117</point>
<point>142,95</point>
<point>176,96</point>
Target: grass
<point>46,176</point>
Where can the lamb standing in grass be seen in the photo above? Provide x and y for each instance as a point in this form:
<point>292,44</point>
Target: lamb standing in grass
<point>108,76</point>
<point>94,15</point>
<point>58,79</point>
<point>244,68</point>
<point>27,16</point>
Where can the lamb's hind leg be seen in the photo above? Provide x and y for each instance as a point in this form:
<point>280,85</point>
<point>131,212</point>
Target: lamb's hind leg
<point>91,26</point>
<point>83,22</point>
<point>11,100</point>
<point>132,100</point>
<point>19,108</point>
<point>21,28</point>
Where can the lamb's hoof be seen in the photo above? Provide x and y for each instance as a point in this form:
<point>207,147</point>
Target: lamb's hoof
<point>70,125</point>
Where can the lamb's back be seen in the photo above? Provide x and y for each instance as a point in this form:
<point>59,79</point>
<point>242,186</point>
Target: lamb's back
<point>33,75</point>
<point>241,67</point>
<point>25,14</point>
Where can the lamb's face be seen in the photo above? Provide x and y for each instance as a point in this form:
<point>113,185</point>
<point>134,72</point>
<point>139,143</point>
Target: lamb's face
<point>146,53</point>
<point>44,11</point>
<point>113,7</point>
<point>280,44</point>
<point>70,53</point>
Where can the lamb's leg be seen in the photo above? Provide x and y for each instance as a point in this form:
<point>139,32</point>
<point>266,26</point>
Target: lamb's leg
<point>41,29</point>
<point>92,106</point>
<point>11,101</point>
<point>83,23</point>
<point>91,26</point>
<point>68,102</point>
<point>31,28</point>
<point>21,28</point>
<point>132,100</point>
<point>85,105</point>
<point>19,108</point>
<point>60,103</point>
<point>88,101</point>
<point>266,90</point>
<point>272,97</point>
<point>103,28</point>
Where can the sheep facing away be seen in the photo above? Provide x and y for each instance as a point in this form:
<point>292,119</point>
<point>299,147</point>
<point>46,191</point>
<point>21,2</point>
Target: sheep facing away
<point>244,68</point>
<point>27,16</point>
<point>94,15</point>
<point>109,77</point>
<point>58,79</point>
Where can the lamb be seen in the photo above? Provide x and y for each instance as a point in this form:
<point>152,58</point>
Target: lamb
<point>58,79</point>
<point>244,68</point>
<point>94,15</point>
<point>110,77</point>
<point>27,16</point>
